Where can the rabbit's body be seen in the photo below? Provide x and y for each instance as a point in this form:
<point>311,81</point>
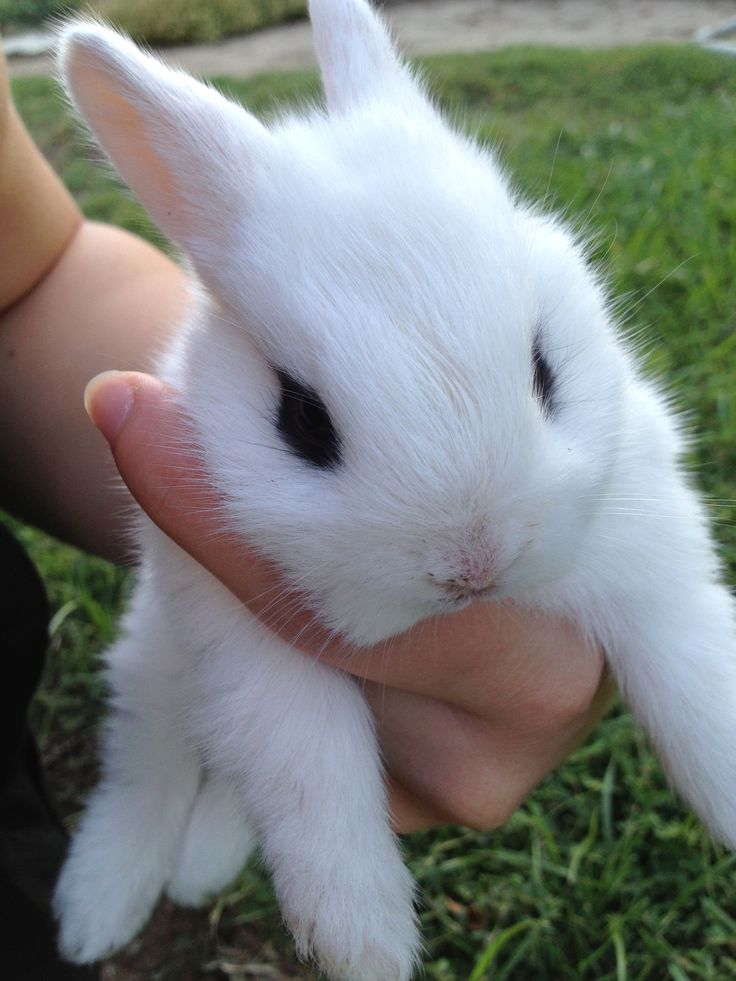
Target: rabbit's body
<point>200,749</point>
<point>409,392</point>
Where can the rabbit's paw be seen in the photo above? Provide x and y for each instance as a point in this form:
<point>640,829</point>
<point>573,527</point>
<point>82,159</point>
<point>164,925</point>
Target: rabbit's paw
<point>357,927</point>
<point>102,903</point>
<point>216,844</point>
<point>117,865</point>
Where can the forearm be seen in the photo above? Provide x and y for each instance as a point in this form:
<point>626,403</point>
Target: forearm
<point>38,217</point>
<point>110,301</point>
<point>75,299</point>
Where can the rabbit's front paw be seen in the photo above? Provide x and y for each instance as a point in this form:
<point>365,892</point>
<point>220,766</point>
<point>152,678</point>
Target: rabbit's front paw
<point>101,905</point>
<point>359,924</point>
<point>118,862</point>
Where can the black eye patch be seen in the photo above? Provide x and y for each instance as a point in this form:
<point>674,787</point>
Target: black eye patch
<point>304,423</point>
<point>543,384</point>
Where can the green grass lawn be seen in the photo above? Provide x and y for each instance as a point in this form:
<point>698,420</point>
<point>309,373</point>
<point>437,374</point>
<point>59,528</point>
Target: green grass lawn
<point>602,874</point>
<point>160,21</point>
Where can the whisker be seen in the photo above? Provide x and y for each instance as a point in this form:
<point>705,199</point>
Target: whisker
<point>552,168</point>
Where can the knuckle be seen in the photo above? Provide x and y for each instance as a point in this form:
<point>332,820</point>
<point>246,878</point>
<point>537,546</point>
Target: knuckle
<point>477,802</point>
<point>564,706</point>
<point>567,709</point>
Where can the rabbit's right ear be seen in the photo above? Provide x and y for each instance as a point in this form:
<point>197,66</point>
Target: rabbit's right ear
<point>357,58</point>
<point>187,152</point>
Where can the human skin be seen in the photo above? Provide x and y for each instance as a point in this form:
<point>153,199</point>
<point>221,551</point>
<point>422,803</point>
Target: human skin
<point>472,710</point>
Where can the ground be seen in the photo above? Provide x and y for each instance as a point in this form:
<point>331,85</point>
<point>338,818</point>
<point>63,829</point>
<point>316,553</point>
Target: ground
<point>432,26</point>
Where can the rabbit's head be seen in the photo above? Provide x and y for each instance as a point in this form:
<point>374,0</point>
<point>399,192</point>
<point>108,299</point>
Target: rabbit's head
<point>408,387</point>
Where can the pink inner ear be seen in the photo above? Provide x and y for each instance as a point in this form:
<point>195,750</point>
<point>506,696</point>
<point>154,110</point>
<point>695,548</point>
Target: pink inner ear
<point>184,150</point>
<point>125,137</point>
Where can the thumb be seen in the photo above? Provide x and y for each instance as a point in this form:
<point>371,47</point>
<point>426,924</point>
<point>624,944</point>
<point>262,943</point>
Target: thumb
<point>152,442</point>
<point>155,448</point>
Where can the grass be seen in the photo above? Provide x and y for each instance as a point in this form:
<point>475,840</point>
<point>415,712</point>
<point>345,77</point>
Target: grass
<point>602,874</point>
<point>192,21</point>
<point>161,22</point>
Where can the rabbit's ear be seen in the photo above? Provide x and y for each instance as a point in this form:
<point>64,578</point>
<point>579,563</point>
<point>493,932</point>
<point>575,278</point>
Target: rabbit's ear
<point>187,152</point>
<point>356,56</point>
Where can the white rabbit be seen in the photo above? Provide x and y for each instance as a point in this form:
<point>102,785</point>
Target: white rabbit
<point>410,392</point>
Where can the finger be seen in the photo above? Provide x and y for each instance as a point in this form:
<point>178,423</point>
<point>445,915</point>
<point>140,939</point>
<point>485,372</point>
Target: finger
<point>154,446</point>
<point>408,812</point>
<point>447,766</point>
<point>486,658</point>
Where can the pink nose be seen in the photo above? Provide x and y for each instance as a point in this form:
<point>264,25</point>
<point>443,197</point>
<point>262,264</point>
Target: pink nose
<point>468,571</point>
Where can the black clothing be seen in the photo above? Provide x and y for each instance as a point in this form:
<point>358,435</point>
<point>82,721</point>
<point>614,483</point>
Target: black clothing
<point>33,841</point>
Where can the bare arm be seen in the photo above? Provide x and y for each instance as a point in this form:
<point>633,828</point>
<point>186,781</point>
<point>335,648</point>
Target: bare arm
<point>75,298</point>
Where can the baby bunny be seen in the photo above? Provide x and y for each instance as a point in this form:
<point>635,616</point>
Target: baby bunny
<point>410,393</point>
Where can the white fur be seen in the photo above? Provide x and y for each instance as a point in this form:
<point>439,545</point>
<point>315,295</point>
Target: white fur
<point>380,258</point>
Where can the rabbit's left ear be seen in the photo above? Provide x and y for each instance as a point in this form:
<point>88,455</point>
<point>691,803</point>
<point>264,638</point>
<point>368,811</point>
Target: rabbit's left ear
<point>187,152</point>
<point>356,56</point>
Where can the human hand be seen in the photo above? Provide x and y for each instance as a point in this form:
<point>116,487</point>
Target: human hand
<point>472,709</point>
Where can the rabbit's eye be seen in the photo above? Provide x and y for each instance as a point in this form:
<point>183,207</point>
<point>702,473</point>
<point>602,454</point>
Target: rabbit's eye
<point>304,423</point>
<point>543,385</point>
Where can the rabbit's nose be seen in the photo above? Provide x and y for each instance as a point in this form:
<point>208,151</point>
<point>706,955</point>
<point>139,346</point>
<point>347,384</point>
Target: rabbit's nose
<point>469,568</point>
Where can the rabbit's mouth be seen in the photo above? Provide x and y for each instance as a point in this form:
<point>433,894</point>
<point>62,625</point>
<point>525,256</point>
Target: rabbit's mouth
<point>462,593</point>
